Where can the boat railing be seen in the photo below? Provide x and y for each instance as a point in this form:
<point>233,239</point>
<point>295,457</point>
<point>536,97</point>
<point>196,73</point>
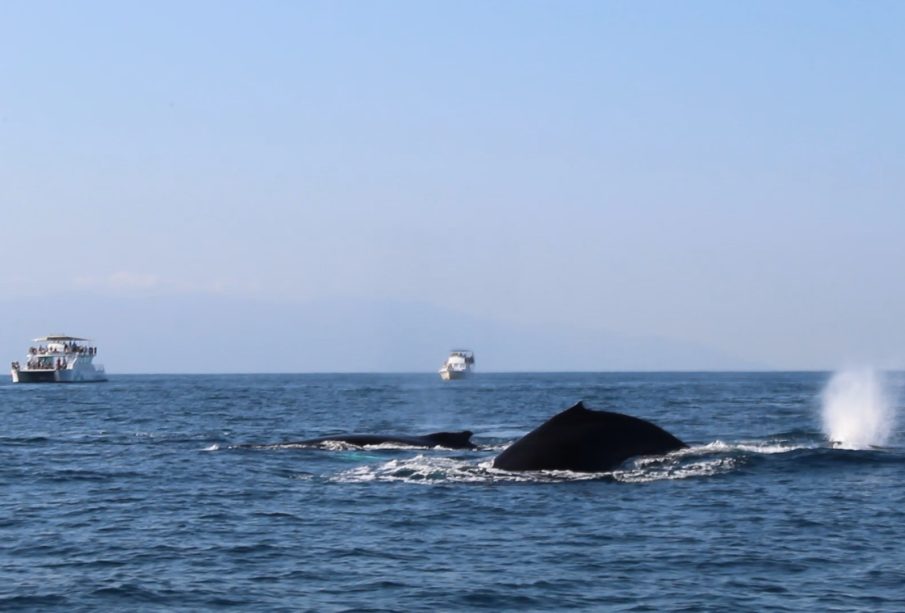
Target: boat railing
<point>73,348</point>
<point>43,364</point>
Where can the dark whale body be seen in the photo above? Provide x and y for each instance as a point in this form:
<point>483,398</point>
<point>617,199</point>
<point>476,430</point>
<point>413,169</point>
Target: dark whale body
<point>582,440</point>
<point>450,440</point>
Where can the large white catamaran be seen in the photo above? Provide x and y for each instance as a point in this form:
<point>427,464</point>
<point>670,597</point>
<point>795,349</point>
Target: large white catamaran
<point>59,359</point>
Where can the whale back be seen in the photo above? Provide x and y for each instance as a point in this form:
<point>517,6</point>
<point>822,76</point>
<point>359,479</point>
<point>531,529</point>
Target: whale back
<point>451,440</point>
<point>582,440</point>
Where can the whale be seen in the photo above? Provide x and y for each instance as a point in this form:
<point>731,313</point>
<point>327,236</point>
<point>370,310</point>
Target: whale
<point>449,440</point>
<point>583,440</point>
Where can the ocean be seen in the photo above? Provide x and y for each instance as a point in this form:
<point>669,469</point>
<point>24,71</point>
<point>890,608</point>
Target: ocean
<point>174,493</point>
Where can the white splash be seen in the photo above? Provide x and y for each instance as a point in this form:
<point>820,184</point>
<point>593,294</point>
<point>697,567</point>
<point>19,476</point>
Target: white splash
<point>698,461</point>
<point>419,469</point>
<point>857,412</point>
<point>766,447</point>
<point>431,470</point>
<point>660,470</point>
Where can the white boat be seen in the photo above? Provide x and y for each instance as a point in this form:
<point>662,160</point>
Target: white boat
<point>59,359</point>
<point>458,365</point>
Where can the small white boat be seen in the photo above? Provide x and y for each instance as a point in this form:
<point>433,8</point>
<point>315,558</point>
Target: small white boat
<point>458,365</point>
<point>59,359</point>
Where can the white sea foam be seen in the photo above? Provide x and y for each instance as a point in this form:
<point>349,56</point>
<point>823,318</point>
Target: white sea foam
<point>419,469</point>
<point>715,458</point>
<point>857,412</point>
<point>645,473</point>
<point>213,447</point>
<point>332,445</point>
<point>424,469</point>
<point>429,470</point>
<point>761,447</point>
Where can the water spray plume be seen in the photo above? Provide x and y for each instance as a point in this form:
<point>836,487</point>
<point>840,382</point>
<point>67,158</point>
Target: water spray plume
<point>857,413</point>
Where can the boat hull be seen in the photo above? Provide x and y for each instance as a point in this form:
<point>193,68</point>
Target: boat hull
<point>58,376</point>
<point>453,375</point>
<point>34,376</point>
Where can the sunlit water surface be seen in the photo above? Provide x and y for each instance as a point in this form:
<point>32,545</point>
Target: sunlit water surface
<point>138,493</point>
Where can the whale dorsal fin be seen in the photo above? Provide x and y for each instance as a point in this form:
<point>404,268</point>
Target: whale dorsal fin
<point>575,412</point>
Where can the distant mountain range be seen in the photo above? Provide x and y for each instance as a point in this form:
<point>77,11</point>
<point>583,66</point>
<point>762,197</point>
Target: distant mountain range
<point>209,333</point>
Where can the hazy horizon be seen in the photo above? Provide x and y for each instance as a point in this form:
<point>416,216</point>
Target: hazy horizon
<point>594,185</point>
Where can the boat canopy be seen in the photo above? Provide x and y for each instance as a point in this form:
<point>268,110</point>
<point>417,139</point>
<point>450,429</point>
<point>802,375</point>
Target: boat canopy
<point>61,338</point>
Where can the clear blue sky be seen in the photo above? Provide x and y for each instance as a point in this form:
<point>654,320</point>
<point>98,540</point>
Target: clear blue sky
<point>725,174</point>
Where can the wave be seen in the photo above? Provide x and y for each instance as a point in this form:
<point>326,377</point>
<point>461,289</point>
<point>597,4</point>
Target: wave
<point>33,602</point>
<point>698,461</point>
<point>345,446</point>
<point>24,440</point>
<point>706,460</point>
<point>428,470</point>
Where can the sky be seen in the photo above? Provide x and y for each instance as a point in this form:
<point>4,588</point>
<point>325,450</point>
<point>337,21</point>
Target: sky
<point>558,185</point>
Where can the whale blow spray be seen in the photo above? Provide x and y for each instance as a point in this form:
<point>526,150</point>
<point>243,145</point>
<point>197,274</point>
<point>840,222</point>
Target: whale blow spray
<point>857,413</point>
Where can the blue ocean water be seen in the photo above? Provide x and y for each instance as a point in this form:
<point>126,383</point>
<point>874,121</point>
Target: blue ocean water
<point>141,493</point>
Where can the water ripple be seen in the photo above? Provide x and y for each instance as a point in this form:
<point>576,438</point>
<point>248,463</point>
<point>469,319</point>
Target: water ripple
<point>134,495</point>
